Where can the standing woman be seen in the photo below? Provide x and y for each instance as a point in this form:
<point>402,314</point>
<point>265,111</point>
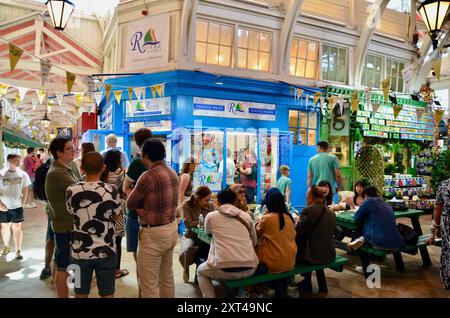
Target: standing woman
<point>186,179</point>
<point>114,174</point>
<point>85,148</point>
<point>193,249</point>
<point>441,226</point>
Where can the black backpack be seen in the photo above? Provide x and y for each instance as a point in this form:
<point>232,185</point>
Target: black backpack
<point>39,181</point>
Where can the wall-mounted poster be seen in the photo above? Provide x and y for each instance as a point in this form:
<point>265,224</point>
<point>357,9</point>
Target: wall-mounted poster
<point>65,132</point>
<point>147,42</point>
<point>106,118</point>
<point>340,120</point>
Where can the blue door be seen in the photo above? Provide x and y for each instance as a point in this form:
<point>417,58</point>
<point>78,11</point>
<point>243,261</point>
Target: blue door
<point>299,173</point>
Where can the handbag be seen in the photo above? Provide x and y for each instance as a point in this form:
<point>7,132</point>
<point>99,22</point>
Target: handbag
<point>409,235</point>
<point>304,239</point>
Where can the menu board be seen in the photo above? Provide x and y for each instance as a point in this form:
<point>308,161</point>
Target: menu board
<point>406,126</point>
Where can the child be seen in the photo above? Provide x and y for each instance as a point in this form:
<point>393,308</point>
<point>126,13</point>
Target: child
<point>284,184</point>
<point>95,206</point>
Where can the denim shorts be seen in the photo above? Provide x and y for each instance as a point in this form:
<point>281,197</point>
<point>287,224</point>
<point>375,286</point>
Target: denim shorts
<point>132,234</point>
<point>12,216</point>
<point>105,272</point>
<point>62,250</point>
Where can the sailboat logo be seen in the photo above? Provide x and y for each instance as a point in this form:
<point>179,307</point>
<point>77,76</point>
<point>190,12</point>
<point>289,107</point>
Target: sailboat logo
<point>150,38</point>
<point>236,108</point>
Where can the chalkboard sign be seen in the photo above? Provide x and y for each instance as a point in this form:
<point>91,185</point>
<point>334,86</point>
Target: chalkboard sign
<point>65,132</point>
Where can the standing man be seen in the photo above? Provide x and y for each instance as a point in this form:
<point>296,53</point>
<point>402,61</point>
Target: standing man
<point>111,143</point>
<point>324,166</point>
<point>135,170</point>
<point>60,176</point>
<point>29,162</point>
<point>14,191</point>
<point>44,155</point>
<point>155,197</point>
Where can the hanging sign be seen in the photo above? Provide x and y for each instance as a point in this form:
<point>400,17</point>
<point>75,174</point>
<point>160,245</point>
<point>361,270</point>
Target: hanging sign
<point>340,122</point>
<point>70,78</point>
<point>64,132</point>
<point>106,118</point>
<point>15,53</point>
<point>436,61</point>
<point>148,107</point>
<point>233,109</point>
<point>147,42</point>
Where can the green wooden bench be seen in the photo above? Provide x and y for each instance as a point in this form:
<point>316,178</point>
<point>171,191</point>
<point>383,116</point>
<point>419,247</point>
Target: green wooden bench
<point>336,265</point>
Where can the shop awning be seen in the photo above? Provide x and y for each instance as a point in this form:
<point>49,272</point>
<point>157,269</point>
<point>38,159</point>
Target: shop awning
<point>19,139</point>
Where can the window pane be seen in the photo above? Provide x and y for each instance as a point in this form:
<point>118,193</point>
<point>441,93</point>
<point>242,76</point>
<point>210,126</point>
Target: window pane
<point>300,71</point>
<point>294,130</point>
<point>302,46</point>
<point>293,117</point>
<point>212,56</point>
<point>253,40</point>
<point>292,66</point>
<point>312,51</point>
<point>302,136</point>
<point>311,137</point>
<point>312,120</point>
<point>200,52</point>
<point>264,61</point>
<point>294,48</point>
<point>226,35</point>
<point>310,69</point>
<point>243,38</point>
<point>214,33</point>
<point>341,74</point>
<point>394,83</point>
<point>252,59</point>
<point>242,58</point>
<point>303,119</point>
<point>225,56</point>
<point>400,85</point>
<point>264,42</point>
<point>377,80</point>
<point>202,30</point>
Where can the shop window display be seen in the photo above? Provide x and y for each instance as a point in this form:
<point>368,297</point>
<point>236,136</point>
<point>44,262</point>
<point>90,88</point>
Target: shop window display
<point>303,125</point>
<point>269,163</point>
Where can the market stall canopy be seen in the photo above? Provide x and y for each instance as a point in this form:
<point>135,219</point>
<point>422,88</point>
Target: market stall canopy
<point>20,140</point>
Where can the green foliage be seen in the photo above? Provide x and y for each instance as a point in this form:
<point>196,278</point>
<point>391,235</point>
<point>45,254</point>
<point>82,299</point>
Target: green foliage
<point>441,169</point>
<point>413,147</point>
<point>391,168</point>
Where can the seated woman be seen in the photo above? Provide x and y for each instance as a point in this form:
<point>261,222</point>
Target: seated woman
<point>376,223</point>
<point>358,197</point>
<point>315,231</point>
<point>192,248</point>
<point>327,192</point>
<point>241,201</point>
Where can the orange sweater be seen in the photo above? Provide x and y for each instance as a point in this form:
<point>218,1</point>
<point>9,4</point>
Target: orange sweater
<point>277,248</point>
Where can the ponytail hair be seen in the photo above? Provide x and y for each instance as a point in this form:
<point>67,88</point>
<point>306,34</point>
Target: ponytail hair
<point>202,192</point>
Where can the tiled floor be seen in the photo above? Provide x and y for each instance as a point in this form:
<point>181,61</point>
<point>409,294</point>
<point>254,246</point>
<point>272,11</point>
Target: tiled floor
<point>21,278</point>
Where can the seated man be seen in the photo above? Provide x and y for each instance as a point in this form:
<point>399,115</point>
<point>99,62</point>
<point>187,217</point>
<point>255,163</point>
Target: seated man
<point>232,253</point>
<point>376,221</point>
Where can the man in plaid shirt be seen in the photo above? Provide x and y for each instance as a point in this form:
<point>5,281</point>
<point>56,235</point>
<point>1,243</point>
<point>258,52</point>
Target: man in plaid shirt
<point>155,197</point>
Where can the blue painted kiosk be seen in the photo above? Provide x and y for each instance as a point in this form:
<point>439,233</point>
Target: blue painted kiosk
<point>209,117</point>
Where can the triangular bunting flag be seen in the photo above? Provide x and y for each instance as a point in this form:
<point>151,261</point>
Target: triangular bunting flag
<point>22,92</point>
<point>153,88</point>
<point>34,104</point>
<point>419,113</point>
<point>45,71</point>
<point>70,78</point>
<point>375,107</point>
<point>78,99</point>
<point>98,97</point>
<point>386,85</point>
<point>75,112</point>
<point>107,91</point>
<point>15,53</point>
<point>397,110</point>
<point>298,93</point>
<point>438,115</point>
<point>331,102</point>
<point>89,82</point>
<point>63,109</point>
<point>160,89</point>
<point>368,95</point>
<point>49,107</point>
<point>118,95</point>
<point>3,89</point>
<point>41,94</point>
<point>18,100</point>
<point>306,101</point>
<point>140,93</point>
<point>130,94</point>
<point>59,97</point>
<point>322,104</point>
<point>340,100</point>
<point>355,101</point>
<point>316,97</point>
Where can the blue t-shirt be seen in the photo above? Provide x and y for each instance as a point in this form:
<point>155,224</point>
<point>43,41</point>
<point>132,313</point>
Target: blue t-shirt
<point>322,167</point>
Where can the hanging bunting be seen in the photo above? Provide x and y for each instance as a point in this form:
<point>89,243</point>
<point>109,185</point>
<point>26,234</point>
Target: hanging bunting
<point>59,97</point>
<point>436,61</point>
<point>331,102</point>
<point>63,109</point>
<point>316,97</point>
<point>70,78</point>
<point>34,104</point>
<point>78,99</point>
<point>322,104</point>
<point>298,93</point>
<point>153,89</point>
<point>45,71</point>
<point>3,89</point>
<point>18,100</point>
<point>89,82</point>
<point>98,97</point>
<point>368,95</point>
<point>307,101</point>
<point>118,95</point>
<point>15,53</point>
<point>159,88</point>
<point>340,100</point>
<point>375,107</point>
<point>438,115</point>
<point>22,92</point>
<point>355,101</point>
<point>49,107</point>
<point>419,113</point>
<point>107,91</point>
<point>140,93</point>
<point>130,94</point>
<point>386,85</point>
<point>75,112</point>
<point>397,110</point>
<point>41,95</point>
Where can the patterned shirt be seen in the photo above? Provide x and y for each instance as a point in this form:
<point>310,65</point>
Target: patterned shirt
<point>92,204</point>
<point>443,197</point>
<point>155,196</point>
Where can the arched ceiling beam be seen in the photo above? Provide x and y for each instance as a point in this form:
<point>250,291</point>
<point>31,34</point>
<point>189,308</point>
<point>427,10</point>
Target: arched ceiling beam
<point>286,34</point>
<point>187,25</point>
<point>365,37</point>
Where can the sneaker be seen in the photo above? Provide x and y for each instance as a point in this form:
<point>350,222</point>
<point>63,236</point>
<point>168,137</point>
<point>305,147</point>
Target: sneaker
<point>356,244</point>
<point>6,250</point>
<point>359,269</point>
<point>46,273</point>
<point>18,255</point>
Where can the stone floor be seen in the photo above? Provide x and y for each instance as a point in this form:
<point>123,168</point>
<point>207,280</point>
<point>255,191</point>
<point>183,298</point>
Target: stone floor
<point>21,278</point>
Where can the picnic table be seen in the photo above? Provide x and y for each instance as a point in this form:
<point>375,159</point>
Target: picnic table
<point>202,234</point>
<point>346,220</point>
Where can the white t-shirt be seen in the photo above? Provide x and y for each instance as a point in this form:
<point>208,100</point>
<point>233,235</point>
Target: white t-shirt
<point>231,168</point>
<point>12,184</point>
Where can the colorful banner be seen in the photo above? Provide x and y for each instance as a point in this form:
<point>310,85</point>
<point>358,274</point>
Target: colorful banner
<point>148,107</point>
<point>419,113</point>
<point>98,97</point>
<point>107,91</point>
<point>3,89</point>
<point>22,92</point>
<point>233,109</point>
<point>316,98</point>
<point>45,71</point>
<point>355,101</point>
<point>397,110</point>
<point>70,78</point>
<point>147,42</point>
<point>386,85</point>
<point>59,97</point>
<point>118,95</point>
<point>438,115</point>
<point>15,53</point>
